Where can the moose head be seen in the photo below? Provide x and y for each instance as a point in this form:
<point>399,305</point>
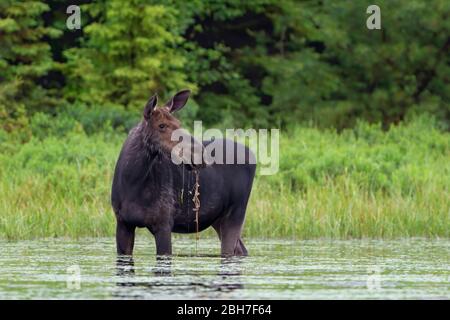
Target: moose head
<point>164,131</point>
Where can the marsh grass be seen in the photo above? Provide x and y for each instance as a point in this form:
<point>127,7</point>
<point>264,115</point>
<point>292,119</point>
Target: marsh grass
<point>359,183</point>
<point>340,209</point>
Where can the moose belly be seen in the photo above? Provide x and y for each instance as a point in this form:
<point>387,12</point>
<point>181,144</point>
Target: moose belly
<point>185,221</point>
<point>141,215</point>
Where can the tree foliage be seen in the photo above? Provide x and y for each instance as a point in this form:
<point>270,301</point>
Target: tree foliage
<point>129,52</point>
<point>258,63</point>
<point>25,60</point>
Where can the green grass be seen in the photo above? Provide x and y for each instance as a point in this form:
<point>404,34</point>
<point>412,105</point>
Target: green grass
<point>360,183</point>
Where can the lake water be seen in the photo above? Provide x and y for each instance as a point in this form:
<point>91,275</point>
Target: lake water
<point>275,269</point>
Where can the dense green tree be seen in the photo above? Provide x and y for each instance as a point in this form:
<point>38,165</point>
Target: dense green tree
<point>250,63</point>
<point>220,42</point>
<point>334,70</point>
<point>129,52</point>
<point>292,61</point>
<point>25,60</point>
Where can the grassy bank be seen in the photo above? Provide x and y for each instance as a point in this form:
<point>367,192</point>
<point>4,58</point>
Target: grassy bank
<point>362,182</point>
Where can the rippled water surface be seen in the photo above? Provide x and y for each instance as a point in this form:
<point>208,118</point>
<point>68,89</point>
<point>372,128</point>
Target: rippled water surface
<point>276,269</point>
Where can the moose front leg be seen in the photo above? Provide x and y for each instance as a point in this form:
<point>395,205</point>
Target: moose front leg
<point>124,238</point>
<point>163,240</point>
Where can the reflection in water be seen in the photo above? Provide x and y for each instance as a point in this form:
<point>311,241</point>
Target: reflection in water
<point>124,269</point>
<point>230,269</point>
<point>275,269</point>
<point>163,266</point>
<point>161,277</point>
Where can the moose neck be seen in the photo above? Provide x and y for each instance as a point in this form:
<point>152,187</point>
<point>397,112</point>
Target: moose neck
<point>144,162</point>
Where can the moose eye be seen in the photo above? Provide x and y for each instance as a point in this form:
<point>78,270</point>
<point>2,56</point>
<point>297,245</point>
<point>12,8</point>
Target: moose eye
<point>162,126</point>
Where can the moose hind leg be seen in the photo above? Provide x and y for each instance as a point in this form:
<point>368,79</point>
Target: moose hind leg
<point>241,250</point>
<point>124,238</point>
<point>230,233</point>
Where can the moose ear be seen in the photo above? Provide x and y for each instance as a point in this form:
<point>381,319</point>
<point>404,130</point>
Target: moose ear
<point>178,101</point>
<point>150,106</point>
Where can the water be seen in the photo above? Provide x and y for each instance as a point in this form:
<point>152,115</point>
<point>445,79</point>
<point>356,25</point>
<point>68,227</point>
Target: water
<point>276,269</point>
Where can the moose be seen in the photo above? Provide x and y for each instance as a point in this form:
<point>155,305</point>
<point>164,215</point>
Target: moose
<point>152,191</point>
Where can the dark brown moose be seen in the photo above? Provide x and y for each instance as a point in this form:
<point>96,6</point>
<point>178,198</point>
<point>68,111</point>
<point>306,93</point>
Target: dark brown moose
<point>152,191</point>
